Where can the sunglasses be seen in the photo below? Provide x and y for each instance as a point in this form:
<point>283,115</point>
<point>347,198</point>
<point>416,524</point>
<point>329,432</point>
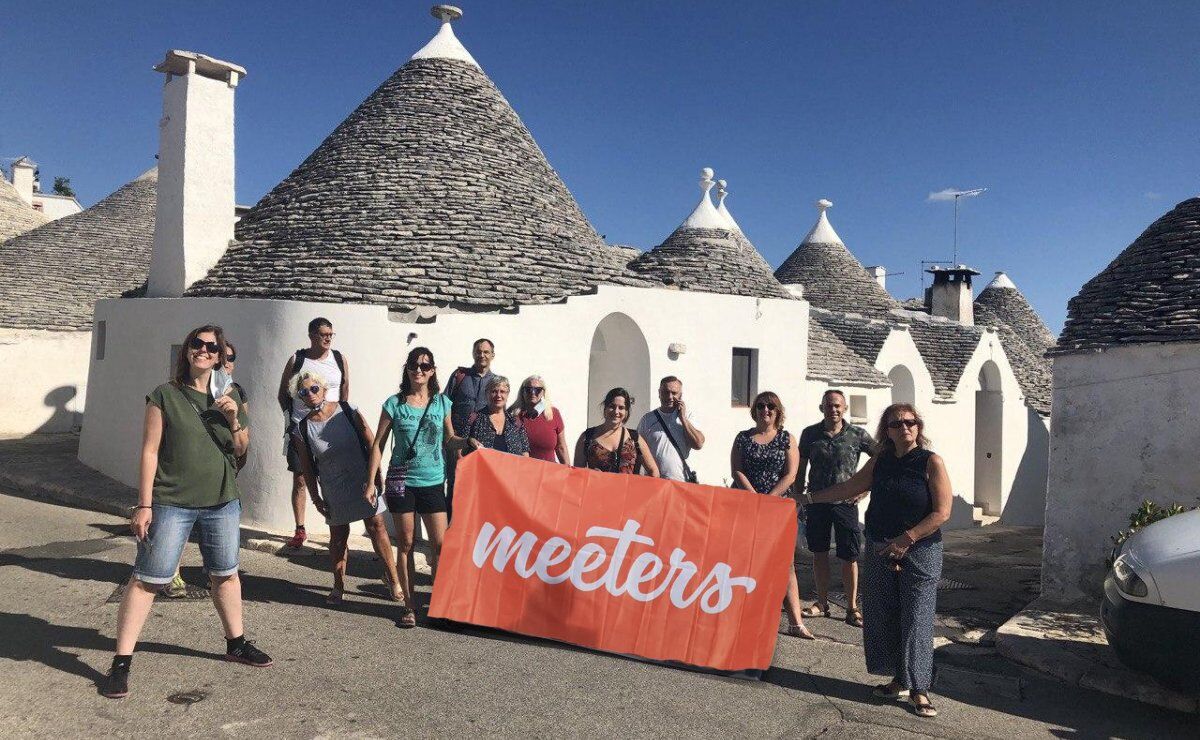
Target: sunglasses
<point>231,358</point>
<point>897,423</point>
<point>533,390</point>
<point>312,390</point>
<point>424,367</point>
<point>764,406</point>
<point>199,344</point>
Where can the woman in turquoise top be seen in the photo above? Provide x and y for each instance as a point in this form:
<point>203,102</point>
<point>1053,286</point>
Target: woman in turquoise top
<point>416,478</point>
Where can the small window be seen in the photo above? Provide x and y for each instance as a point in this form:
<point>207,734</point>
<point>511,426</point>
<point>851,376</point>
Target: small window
<point>745,376</point>
<point>175,349</point>
<point>101,337</point>
<point>38,207</point>
<point>858,409</point>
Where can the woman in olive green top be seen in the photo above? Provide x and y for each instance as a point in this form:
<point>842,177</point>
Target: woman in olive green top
<point>193,434</point>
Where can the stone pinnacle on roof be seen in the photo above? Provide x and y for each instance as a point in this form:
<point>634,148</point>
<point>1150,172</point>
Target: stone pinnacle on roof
<point>723,191</point>
<point>1023,335</point>
<point>445,45</point>
<point>432,193</point>
<point>1001,281</point>
<point>705,215</point>
<point>831,276</point>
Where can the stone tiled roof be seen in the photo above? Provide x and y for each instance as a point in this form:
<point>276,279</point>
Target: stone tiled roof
<point>831,276</point>
<point>712,261</point>
<point>1149,293</point>
<point>1025,338</point>
<point>16,216</point>
<point>55,273</point>
<point>830,360</point>
<point>432,192</point>
<point>946,346</point>
<point>865,335</point>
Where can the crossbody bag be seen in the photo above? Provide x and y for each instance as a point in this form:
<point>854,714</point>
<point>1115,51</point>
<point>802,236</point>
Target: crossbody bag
<point>689,475</point>
<point>393,485</point>
<point>227,454</point>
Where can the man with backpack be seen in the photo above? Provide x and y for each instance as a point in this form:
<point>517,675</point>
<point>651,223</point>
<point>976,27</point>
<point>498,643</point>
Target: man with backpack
<point>467,391</point>
<point>321,358</point>
<point>670,432</point>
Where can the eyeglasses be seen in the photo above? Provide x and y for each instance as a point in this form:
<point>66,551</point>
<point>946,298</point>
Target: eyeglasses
<point>897,423</point>
<point>764,406</point>
<point>199,345</point>
<point>312,390</point>
<point>534,390</point>
<point>424,367</point>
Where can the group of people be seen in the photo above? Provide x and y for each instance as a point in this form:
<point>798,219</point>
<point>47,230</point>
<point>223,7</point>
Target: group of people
<point>196,433</point>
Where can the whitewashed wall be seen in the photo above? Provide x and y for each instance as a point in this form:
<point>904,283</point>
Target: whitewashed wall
<point>46,373</point>
<point>1123,429</point>
<point>553,341</point>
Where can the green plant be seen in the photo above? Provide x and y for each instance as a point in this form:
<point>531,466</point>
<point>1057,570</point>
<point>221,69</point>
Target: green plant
<point>1144,515</point>
<point>62,186</point>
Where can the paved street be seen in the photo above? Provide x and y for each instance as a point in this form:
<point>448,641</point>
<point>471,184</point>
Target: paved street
<point>350,672</point>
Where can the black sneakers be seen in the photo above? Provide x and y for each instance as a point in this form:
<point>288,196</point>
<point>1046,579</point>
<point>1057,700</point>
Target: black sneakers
<point>248,654</point>
<point>116,684</point>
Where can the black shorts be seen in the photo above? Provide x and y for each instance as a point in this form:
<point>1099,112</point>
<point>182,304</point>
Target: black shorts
<point>293,459</point>
<point>843,520</point>
<point>419,499</point>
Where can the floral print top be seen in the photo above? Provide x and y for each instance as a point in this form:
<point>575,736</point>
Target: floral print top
<point>762,464</point>
<point>625,459</point>
<point>513,439</point>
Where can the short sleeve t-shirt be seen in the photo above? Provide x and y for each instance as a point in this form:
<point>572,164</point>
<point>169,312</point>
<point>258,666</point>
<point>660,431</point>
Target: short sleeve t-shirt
<point>192,471</point>
<point>543,434</point>
<point>670,464</point>
<point>427,467</point>
<point>833,459</point>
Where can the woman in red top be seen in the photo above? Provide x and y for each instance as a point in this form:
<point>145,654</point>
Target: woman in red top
<point>543,423</point>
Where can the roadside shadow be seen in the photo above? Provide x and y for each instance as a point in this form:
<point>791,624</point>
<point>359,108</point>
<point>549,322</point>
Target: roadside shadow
<point>29,638</point>
<point>61,418</point>
<point>71,568</point>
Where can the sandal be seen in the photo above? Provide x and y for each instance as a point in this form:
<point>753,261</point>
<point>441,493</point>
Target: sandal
<point>408,618</point>
<point>799,630</point>
<point>334,598</point>
<point>816,611</point>
<point>854,618</point>
<point>891,691</point>
<point>925,709</point>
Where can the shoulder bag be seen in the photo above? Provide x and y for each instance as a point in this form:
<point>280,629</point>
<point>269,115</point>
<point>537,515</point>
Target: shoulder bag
<point>689,475</point>
<point>393,485</point>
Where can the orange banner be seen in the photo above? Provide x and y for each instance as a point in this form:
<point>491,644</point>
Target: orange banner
<point>622,563</point>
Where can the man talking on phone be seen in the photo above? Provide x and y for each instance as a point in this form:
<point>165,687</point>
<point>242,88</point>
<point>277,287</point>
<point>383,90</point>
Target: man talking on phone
<point>670,432</point>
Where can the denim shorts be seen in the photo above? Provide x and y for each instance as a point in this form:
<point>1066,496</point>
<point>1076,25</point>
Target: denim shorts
<point>220,536</point>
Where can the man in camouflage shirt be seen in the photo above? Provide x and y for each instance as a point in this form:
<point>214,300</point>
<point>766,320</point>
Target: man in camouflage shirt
<point>830,449</point>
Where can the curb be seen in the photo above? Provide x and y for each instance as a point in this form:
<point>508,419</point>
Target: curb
<point>1023,641</point>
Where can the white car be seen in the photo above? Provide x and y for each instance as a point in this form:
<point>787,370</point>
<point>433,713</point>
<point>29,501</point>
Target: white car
<point>1151,611</point>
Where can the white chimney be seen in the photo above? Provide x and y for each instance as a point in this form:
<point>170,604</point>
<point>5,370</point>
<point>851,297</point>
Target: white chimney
<point>879,274</point>
<point>950,296</point>
<point>195,212</point>
<point>24,174</point>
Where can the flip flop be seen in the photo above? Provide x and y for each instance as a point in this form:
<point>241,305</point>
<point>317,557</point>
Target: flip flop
<point>816,611</point>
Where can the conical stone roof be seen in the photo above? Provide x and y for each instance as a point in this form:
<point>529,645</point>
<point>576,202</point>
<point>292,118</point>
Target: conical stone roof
<point>709,254</point>
<point>432,192</point>
<point>56,272</point>
<point>16,216</point>
<point>831,276</point>
<point>1024,336</point>
<point>1149,293</point>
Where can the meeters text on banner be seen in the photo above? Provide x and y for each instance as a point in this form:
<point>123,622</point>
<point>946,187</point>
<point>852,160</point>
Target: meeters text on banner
<point>627,564</point>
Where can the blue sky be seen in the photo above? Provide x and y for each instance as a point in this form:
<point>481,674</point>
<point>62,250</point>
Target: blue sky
<point>1080,118</point>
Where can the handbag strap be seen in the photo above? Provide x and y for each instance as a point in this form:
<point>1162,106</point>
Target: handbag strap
<point>413,444</point>
<point>663,423</point>
<point>225,454</point>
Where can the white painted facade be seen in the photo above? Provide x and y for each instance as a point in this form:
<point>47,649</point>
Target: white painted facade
<point>47,371</point>
<point>1124,429</point>
<point>56,206</point>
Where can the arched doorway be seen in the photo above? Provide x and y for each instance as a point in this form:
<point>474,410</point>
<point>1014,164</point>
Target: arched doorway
<point>904,389</point>
<point>619,357</point>
<point>989,440</point>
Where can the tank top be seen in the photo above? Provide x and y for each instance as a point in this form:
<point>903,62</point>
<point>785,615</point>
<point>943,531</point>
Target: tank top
<point>763,464</point>
<point>900,495</point>
<point>328,369</point>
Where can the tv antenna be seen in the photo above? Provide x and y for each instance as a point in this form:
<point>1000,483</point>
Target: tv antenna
<point>961,194</point>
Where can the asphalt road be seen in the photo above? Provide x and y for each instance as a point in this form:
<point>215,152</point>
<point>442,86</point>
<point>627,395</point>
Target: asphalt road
<point>349,672</point>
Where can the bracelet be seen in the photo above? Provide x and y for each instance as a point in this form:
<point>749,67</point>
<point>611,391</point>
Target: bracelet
<point>139,506</point>
<point>239,428</point>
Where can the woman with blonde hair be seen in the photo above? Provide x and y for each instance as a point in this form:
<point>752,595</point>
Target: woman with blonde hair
<point>496,427</point>
<point>543,423</point>
<point>911,498</point>
<point>765,460</point>
<point>333,445</point>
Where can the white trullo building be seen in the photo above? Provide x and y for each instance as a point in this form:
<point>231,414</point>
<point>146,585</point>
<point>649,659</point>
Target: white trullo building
<point>1126,408</point>
<point>431,217</point>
